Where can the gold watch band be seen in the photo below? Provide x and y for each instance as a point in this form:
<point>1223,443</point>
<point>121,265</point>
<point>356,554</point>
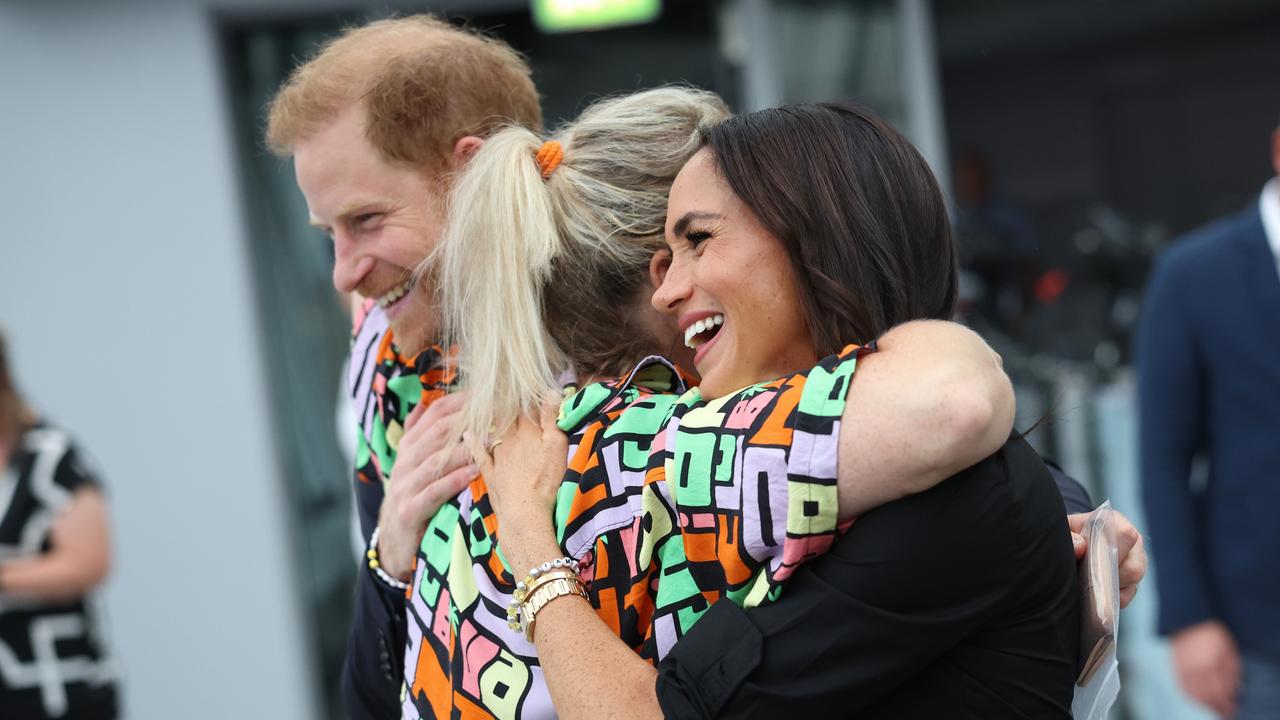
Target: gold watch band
<point>545,593</point>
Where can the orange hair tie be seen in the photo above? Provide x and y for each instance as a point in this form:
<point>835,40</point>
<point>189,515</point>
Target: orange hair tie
<point>549,157</point>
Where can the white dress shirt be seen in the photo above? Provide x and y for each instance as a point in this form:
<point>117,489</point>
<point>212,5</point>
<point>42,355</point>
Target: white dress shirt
<point>1269,206</point>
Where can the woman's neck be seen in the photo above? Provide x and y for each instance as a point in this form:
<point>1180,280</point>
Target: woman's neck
<point>646,332</point>
<point>618,368</point>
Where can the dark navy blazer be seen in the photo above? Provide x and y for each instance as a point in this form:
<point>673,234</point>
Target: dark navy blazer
<point>1209,386</point>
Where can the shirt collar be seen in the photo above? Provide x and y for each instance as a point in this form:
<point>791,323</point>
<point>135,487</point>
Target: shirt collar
<point>1269,206</point>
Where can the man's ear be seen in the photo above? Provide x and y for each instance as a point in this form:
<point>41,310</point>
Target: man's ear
<point>464,149</point>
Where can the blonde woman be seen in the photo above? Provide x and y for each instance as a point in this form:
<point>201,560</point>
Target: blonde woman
<point>545,276</point>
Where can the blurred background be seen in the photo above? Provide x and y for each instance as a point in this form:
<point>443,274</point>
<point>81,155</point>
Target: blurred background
<point>165,299</point>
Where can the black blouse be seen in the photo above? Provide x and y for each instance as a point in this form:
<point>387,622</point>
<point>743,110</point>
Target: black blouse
<point>960,602</point>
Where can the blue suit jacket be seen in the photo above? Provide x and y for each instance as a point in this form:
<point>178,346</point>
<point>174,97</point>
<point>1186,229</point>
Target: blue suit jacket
<point>1209,385</point>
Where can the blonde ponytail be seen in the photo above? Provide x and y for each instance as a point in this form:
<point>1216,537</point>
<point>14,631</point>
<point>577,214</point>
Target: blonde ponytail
<point>491,266</point>
<point>538,276</point>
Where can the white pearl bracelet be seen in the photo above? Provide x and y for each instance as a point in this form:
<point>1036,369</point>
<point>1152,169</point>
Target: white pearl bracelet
<point>372,555</point>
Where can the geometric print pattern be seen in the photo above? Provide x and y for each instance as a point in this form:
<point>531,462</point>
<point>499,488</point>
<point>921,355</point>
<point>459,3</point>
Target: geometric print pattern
<point>669,503</point>
<point>55,657</point>
<point>387,385</point>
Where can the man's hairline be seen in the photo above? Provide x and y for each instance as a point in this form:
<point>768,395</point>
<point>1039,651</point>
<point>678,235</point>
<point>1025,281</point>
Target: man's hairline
<point>290,151</point>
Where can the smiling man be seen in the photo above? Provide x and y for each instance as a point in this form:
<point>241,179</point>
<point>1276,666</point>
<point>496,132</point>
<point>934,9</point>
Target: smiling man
<point>376,123</point>
<point>382,215</point>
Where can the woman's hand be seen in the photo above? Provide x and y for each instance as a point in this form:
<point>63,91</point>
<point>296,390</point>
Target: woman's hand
<point>590,672</point>
<point>523,475</point>
<point>1131,553</point>
<point>431,467</point>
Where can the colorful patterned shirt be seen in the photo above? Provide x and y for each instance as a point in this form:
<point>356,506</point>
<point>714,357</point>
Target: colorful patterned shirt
<point>385,386</point>
<point>670,503</point>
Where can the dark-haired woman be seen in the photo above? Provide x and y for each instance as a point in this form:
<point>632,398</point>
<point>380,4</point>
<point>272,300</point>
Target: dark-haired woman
<point>800,230</point>
<point>54,555</point>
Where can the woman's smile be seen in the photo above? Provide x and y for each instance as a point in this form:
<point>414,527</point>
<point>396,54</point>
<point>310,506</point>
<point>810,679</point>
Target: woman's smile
<point>701,330</point>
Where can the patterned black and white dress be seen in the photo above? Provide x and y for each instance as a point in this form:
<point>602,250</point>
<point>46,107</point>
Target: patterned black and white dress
<point>54,657</point>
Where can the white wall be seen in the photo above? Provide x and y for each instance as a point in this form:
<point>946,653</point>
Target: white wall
<point>125,290</point>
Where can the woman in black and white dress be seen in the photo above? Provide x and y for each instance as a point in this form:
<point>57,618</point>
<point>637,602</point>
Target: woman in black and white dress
<point>54,555</point>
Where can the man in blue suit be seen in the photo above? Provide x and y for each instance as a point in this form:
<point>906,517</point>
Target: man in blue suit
<point>1209,387</point>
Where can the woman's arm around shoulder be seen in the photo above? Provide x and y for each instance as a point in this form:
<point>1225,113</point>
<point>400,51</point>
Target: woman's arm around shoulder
<point>863,627</point>
<point>933,400</point>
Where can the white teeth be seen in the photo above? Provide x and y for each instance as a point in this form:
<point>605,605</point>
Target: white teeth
<point>699,327</point>
<point>394,294</point>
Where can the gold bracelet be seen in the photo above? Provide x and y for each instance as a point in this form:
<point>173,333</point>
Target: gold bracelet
<point>544,593</point>
<point>565,568</point>
<point>526,587</point>
<point>535,583</point>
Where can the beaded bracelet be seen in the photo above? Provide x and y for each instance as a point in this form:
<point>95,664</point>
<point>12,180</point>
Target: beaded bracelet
<point>556,586</point>
<point>376,567</point>
<point>531,580</point>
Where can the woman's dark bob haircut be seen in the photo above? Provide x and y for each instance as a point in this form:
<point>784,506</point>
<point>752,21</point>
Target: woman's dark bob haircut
<point>856,207</point>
